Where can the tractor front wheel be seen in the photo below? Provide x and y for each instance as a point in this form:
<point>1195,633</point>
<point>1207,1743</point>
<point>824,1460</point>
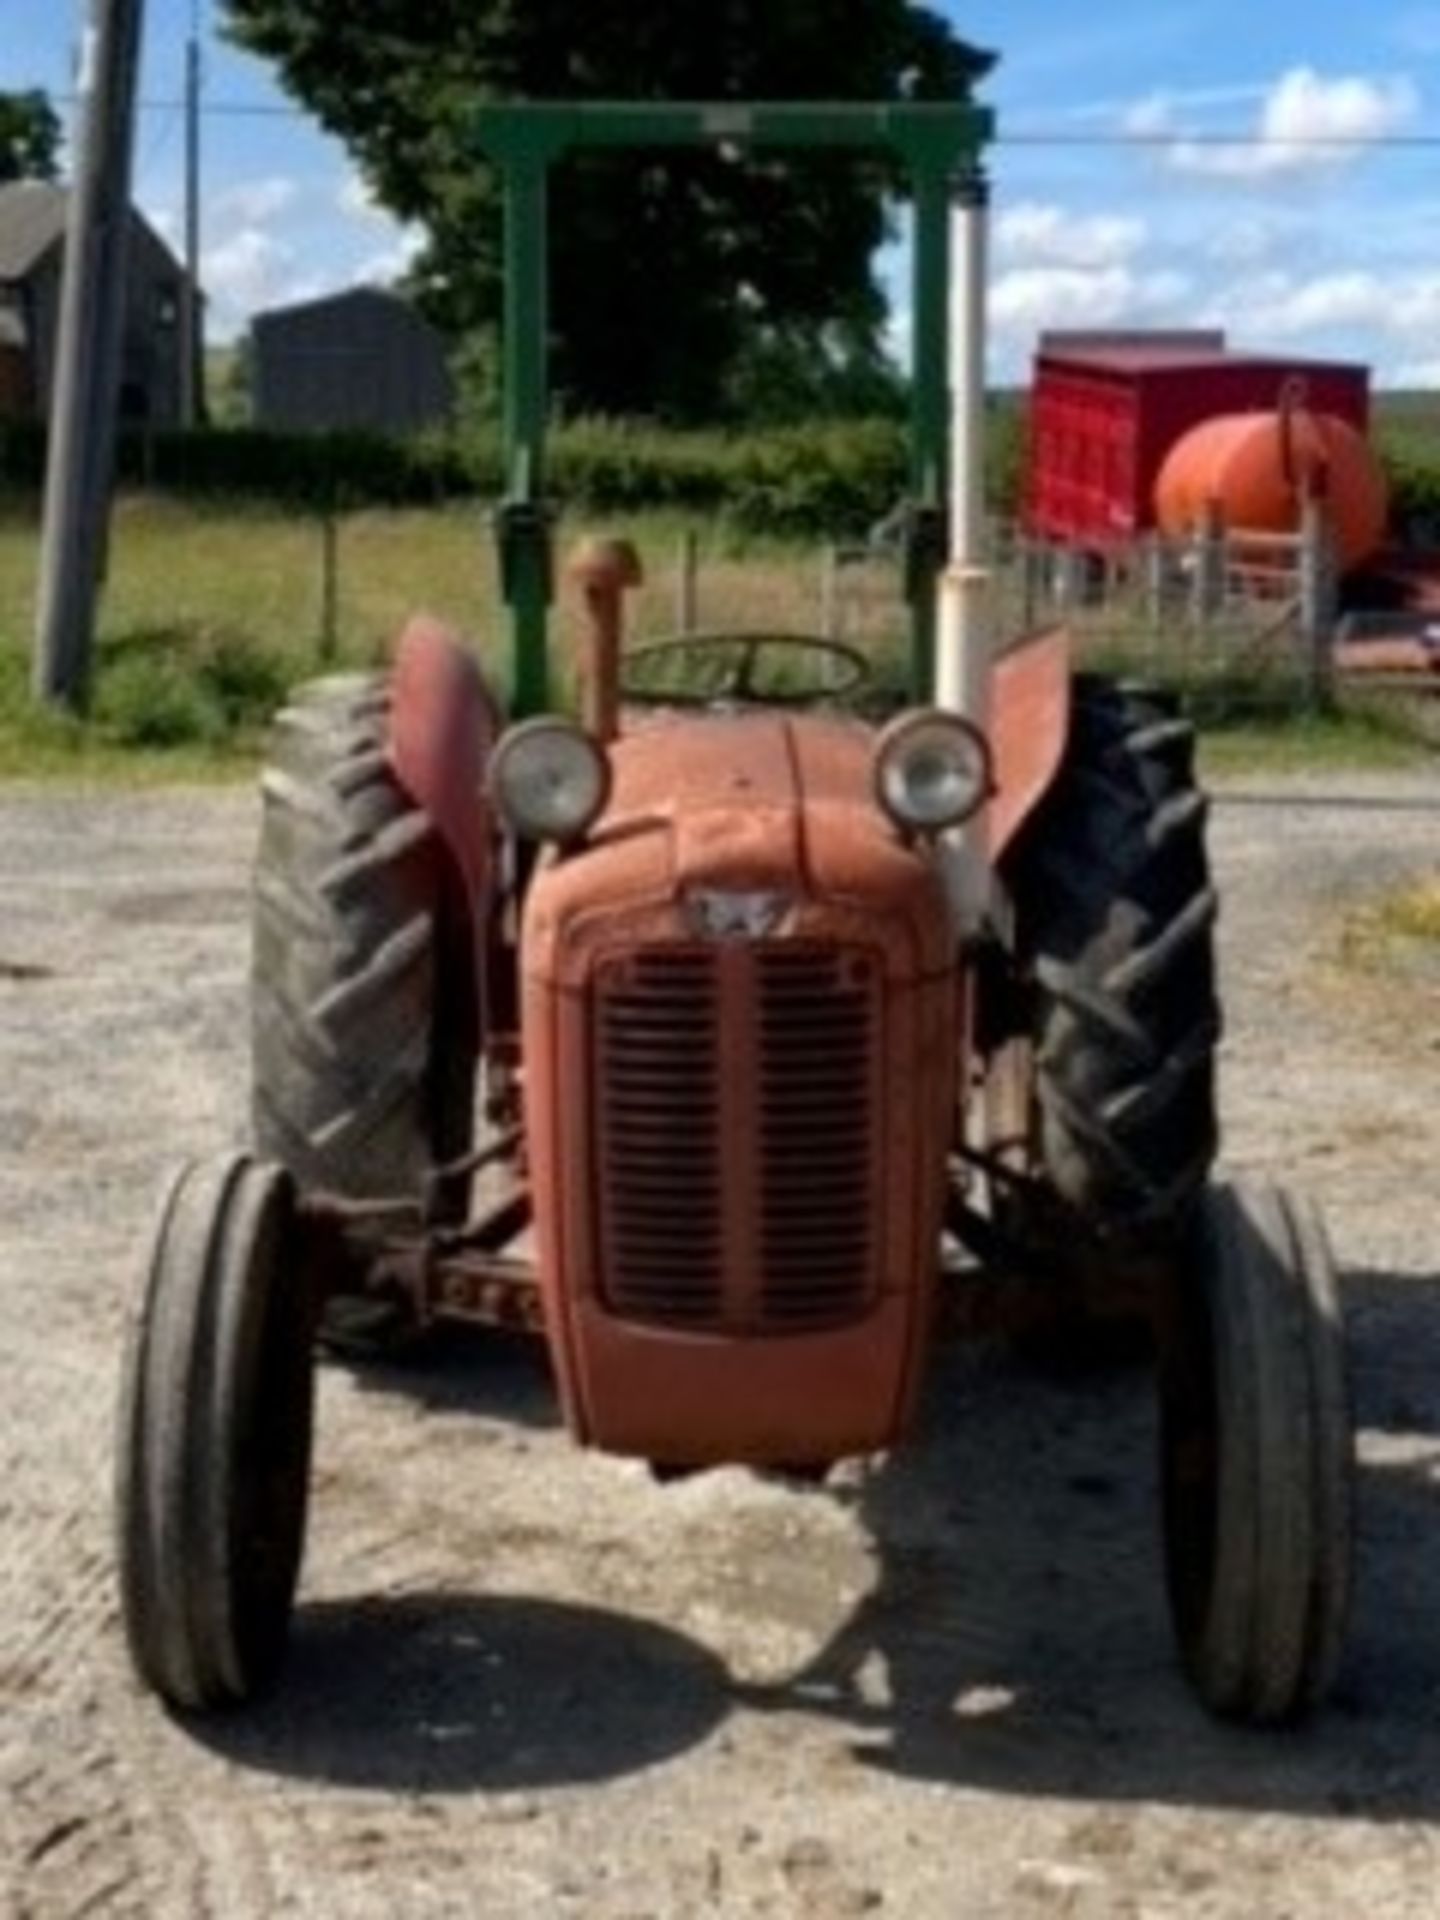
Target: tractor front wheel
<point>213,1459</point>
<point>1256,1454</point>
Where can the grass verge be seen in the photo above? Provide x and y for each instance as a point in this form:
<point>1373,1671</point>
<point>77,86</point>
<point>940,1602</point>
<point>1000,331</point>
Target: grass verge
<point>1368,737</point>
<point>1397,934</point>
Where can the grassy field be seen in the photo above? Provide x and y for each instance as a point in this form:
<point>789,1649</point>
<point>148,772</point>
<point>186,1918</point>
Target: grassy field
<point>209,616</point>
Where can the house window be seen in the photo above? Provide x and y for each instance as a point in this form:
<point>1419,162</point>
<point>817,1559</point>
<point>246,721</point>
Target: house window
<point>167,307</point>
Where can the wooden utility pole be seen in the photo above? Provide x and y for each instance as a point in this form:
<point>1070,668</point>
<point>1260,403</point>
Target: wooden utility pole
<point>192,346</point>
<point>85,397</point>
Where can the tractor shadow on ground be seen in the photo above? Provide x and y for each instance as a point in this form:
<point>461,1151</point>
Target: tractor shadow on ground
<point>1014,1639</point>
<point>504,1376</point>
<point>1016,1636</point>
<point>449,1693</point>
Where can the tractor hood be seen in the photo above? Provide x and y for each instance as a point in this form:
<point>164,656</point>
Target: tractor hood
<point>751,823</point>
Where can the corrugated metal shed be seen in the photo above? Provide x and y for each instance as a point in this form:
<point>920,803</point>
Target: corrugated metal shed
<point>360,359</point>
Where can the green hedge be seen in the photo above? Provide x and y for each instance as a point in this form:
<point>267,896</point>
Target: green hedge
<point>833,478</point>
<point>830,478</point>
<point>1412,465</point>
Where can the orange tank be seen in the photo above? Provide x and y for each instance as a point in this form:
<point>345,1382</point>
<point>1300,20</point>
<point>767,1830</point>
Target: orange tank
<point>1260,466</point>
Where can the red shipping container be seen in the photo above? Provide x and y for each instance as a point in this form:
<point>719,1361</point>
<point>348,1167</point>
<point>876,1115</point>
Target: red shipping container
<point>1105,410</point>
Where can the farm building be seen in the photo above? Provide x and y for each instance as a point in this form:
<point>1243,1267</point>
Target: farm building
<point>364,359</point>
<point>32,233</point>
<point>1107,408</point>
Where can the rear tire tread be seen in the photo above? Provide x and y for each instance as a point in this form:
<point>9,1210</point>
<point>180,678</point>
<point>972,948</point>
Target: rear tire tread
<point>362,961</point>
<point>1116,918</point>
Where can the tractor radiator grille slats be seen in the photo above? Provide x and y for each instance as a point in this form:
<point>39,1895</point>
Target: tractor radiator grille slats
<point>660,1174</point>
<point>815,1138</point>
<point>737,1137</point>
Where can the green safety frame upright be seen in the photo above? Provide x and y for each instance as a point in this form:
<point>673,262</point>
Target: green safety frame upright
<point>940,145</point>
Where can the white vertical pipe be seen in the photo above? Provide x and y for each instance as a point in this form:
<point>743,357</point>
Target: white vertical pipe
<point>962,671</point>
<point>962,653</point>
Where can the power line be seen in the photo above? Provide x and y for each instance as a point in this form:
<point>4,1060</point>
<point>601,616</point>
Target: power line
<point>1120,141</point>
<point>1250,143</point>
<point>1016,137</point>
<point>215,109</point>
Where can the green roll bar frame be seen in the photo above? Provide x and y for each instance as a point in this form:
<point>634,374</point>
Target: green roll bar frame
<point>941,147</point>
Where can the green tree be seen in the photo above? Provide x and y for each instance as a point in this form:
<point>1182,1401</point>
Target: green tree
<point>666,268</point>
<point>29,137</point>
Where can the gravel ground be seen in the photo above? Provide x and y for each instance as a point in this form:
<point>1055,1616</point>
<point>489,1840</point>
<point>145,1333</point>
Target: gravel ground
<point>528,1681</point>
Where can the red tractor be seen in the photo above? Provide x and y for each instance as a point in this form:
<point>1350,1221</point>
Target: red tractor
<point>736,1043</point>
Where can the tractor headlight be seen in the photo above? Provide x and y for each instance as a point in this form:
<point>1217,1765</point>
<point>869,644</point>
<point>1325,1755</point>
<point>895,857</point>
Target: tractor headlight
<point>549,779</point>
<point>932,771</point>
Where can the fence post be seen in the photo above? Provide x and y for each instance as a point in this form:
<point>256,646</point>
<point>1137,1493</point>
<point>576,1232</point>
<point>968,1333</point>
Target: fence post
<point>1210,564</point>
<point>1071,578</point>
<point>1319,597</point>
<point>1032,562</point>
<point>830,592</point>
<point>1156,580</point>
<point>687,583</point>
<point>329,580</point>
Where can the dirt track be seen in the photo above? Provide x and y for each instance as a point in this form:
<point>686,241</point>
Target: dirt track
<point>527,1682</point>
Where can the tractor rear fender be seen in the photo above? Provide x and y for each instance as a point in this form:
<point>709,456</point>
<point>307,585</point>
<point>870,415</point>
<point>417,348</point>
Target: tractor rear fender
<point>444,722</point>
<point>1029,726</point>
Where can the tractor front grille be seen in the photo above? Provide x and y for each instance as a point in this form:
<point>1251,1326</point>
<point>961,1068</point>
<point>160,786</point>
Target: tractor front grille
<point>815,1136</point>
<point>661,1192</point>
<point>737,1131</point>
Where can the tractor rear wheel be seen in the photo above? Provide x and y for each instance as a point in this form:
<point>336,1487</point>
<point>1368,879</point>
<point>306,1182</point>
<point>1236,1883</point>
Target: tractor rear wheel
<point>365,1028</point>
<point>1256,1457</point>
<point>216,1417</point>
<point>1115,919</point>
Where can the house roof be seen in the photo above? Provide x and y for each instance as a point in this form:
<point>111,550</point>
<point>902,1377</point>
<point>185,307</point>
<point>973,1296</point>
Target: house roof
<point>32,221</point>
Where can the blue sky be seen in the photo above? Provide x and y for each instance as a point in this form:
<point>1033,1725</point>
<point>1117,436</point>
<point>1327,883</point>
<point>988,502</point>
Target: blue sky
<point>1323,248</point>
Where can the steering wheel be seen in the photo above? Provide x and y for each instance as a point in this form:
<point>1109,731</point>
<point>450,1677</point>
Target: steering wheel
<point>839,671</point>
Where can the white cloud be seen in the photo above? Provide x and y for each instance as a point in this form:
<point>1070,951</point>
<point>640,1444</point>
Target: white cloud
<point>1028,300</point>
<point>392,263</point>
<point>166,223</point>
<point>245,273</point>
<point>1243,242</point>
<point>356,198</point>
<point>1035,234</point>
<point>1402,308</point>
<point>1155,117</point>
<point>1306,123</point>
<point>1174,99</point>
<point>402,241</point>
<point>252,202</point>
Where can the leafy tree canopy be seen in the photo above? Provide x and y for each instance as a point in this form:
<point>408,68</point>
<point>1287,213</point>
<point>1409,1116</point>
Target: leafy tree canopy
<point>679,281</point>
<point>29,137</point>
